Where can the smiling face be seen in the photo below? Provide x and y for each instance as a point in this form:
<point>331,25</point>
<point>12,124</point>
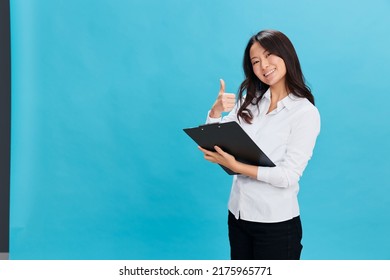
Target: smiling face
<point>268,67</point>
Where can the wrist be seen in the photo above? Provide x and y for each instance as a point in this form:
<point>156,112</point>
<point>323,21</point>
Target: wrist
<point>214,114</point>
<point>245,169</point>
<point>237,168</point>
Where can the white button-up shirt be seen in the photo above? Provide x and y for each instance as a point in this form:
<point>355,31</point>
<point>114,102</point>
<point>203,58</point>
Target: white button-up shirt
<point>287,135</point>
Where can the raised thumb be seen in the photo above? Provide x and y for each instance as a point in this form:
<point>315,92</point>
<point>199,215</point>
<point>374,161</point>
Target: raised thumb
<point>222,87</point>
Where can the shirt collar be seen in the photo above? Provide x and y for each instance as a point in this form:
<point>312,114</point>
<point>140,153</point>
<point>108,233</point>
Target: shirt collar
<point>287,102</point>
<point>267,94</point>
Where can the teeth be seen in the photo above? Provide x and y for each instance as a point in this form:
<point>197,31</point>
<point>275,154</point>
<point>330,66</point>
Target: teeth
<point>268,73</point>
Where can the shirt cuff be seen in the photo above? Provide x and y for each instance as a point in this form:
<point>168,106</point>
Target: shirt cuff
<point>263,173</point>
<point>212,120</point>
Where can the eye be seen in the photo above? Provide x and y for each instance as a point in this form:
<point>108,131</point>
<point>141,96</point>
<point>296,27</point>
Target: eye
<point>268,54</point>
<point>255,62</point>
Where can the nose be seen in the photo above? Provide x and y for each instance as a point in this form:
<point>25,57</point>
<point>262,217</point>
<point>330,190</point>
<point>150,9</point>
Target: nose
<point>264,63</point>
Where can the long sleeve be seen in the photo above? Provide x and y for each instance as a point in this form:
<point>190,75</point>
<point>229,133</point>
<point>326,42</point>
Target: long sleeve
<point>299,149</point>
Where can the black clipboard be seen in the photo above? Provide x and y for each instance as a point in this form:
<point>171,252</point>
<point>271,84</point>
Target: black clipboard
<point>231,138</point>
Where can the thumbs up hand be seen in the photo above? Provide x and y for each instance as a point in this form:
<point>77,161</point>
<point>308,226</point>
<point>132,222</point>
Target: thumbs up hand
<point>225,102</point>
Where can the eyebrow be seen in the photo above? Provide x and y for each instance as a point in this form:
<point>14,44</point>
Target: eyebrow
<point>263,53</point>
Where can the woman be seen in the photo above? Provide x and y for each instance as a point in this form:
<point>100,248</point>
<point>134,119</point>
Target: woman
<point>276,109</point>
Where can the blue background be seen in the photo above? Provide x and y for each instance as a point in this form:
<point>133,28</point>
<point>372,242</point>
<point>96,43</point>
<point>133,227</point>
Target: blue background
<point>101,90</point>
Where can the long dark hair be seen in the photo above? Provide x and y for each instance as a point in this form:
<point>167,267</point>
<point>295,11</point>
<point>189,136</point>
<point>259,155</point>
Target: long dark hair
<point>278,44</point>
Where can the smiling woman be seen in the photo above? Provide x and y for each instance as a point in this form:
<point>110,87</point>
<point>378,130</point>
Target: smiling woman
<point>278,113</point>
<point>5,92</point>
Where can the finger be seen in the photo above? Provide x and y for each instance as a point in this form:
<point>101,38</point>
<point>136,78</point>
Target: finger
<point>219,150</point>
<point>228,108</point>
<point>209,158</point>
<point>203,150</point>
<point>222,86</point>
<point>229,105</point>
<point>206,152</point>
<point>229,96</point>
<point>228,99</point>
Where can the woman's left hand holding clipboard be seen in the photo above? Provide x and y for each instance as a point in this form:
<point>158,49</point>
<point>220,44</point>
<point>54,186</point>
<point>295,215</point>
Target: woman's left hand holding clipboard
<point>223,158</point>
<point>220,157</point>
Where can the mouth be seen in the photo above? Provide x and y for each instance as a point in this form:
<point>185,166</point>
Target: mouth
<point>269,73</point>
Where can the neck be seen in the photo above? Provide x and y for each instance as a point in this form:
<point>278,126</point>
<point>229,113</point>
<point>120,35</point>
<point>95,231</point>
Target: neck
<point>278,92</point>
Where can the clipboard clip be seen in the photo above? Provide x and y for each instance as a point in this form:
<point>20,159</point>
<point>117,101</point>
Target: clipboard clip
<point>209,124</point>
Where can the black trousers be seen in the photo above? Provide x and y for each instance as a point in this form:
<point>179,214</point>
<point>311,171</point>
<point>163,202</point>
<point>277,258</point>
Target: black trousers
<point>265,241</point>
